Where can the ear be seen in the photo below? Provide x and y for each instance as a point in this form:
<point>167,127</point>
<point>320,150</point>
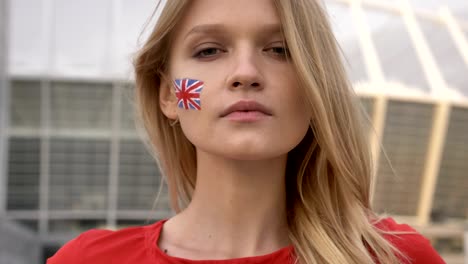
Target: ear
<point>167,99</point>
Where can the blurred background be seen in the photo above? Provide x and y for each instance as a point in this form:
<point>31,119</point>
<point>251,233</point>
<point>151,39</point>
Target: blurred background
<point>71,159</point>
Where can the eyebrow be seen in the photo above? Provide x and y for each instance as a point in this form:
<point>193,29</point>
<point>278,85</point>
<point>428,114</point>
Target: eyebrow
<point>266,29</point>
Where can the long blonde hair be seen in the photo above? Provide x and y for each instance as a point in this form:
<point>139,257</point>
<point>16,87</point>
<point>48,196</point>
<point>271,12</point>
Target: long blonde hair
<point>328,174</point>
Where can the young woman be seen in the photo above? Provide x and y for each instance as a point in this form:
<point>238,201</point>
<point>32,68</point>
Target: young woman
<point>254,124</point>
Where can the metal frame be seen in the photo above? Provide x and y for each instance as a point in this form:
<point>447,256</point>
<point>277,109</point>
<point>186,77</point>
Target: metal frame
<point>4,104</point>
<point>456,32</point>
<point>442,116</point>
<point>376,75</point>
<point>44,176</point>
<point>115,7</point>
<point>114,158</point>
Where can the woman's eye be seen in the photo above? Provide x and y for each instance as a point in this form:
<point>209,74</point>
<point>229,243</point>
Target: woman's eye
<point>208,52</point>
<point>279,51</point>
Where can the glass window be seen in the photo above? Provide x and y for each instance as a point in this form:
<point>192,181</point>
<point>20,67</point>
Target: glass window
<point>406,137</point>
<point>23,173</point>
<point>127,122</point>
<point>433,6</point>
<point>449,246</point>
<point>346,34</point>
<point>139,178</point>
<point>396,51</point>
<point>81,106</point>
<point>367,105</point>
<point>49,250</point>
<point>79,173</point>
<point>75,226</point>
<point>446,54</point>
<point>25,111</point>
<point>31,225</point>
<point>131,223</point>
<point>451,194</point>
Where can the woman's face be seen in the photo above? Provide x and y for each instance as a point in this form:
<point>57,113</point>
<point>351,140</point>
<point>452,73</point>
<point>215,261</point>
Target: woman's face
<point>250,102</point>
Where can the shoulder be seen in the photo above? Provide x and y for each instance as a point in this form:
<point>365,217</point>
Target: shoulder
<point>100,246</point>
<point>412,244</point>
<point>72,251</point>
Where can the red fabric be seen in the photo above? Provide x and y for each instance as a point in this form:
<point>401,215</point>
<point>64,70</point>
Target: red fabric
<point>416,247</point>
<point>138,245</point>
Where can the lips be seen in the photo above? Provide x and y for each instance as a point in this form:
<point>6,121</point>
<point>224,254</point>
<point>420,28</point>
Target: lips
<point>246,106</point>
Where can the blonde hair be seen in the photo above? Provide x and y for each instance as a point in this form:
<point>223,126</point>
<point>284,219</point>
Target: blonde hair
<point>328,174</point>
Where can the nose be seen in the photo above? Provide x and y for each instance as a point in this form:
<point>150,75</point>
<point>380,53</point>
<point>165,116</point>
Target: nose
<point>245,72</point>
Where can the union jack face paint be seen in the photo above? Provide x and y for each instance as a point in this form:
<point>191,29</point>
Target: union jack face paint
<point>188,93</point>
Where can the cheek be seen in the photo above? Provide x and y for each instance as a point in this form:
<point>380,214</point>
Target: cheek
<point>194,106</point>
<point>195,126</point>
<point>187,92</point>
<point>190,106</point>
<point>299,119</point>
<point>299,115</point>
<point>294,97</point>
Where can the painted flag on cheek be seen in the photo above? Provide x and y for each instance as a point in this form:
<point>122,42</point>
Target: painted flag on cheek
<point>188,93</point>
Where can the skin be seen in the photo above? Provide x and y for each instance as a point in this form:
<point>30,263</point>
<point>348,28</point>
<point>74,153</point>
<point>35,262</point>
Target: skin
<point>238,208</point>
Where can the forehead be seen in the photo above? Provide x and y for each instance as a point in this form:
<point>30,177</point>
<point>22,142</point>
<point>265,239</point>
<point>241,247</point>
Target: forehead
<point>238,14</point>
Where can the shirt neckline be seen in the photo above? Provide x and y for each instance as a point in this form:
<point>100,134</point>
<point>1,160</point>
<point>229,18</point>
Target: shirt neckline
<point>153,232</point>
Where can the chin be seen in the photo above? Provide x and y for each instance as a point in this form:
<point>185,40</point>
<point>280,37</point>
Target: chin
<point>246,148</point>
<point>251,153</point>
<point>249,156</point>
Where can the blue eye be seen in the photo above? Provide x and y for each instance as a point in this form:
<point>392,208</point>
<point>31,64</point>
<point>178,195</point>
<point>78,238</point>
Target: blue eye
<point>208,52</point>
<point>278,51</point>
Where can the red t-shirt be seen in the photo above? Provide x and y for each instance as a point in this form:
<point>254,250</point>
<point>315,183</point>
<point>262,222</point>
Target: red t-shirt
<point>139,245</point>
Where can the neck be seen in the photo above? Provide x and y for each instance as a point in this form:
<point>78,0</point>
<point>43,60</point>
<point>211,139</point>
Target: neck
<point>238,208</point>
